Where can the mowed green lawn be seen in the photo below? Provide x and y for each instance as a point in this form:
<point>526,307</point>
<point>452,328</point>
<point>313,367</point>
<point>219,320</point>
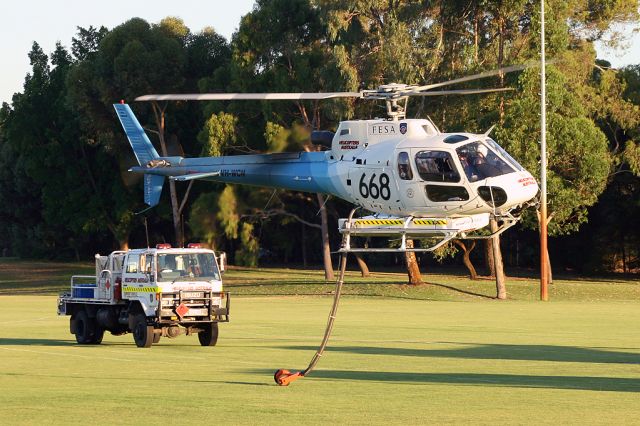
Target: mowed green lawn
<point>431,355</point>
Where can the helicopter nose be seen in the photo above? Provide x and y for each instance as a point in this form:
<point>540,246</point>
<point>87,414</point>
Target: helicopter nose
<point>506,192</point>
<point>524,188</point>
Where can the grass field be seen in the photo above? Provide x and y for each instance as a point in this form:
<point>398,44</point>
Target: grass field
<point>441,353</point>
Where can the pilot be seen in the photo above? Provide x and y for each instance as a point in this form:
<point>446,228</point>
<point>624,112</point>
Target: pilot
<point>484,168</point>
<point>466,161</point>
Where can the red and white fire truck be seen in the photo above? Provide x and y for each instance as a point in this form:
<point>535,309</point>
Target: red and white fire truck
<point>151,293</point>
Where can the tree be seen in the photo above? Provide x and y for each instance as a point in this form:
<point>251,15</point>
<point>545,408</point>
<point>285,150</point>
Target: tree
<point>579,160</point>
<point>279,47</point>
<point>133,59</point>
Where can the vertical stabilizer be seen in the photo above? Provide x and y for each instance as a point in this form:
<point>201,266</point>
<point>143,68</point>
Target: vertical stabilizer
<point>143,150</point>
<point>142,147</point>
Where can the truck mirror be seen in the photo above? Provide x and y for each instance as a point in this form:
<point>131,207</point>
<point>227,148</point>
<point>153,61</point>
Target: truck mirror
<point>222,261</point>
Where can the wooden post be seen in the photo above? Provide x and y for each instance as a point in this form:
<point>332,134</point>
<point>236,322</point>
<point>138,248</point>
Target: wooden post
<point>544,274</point>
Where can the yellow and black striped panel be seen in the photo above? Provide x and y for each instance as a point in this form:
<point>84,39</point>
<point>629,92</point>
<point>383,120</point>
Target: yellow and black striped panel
<point>378,222</point>
<point>429,221</point>
<point>130,289</point>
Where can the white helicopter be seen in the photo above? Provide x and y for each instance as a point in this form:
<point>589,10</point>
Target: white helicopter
<point>416,180</point>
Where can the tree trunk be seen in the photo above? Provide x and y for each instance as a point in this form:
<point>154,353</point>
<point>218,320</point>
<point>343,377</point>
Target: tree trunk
<point>466,257</point>
<point>501,289</point>
<point>304,245</point>
<point>176,215</point>
<point>413,270</point>
<point>124,244</point>
<point>364,269</point>
<point>490,263</point>
<point>549,272</point>
<point>326,248</point>
<point>175,207</point>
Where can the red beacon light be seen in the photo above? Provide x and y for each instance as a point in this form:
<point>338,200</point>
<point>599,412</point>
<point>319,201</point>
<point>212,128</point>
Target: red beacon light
<point>163,246</point>
<point>194,245</point>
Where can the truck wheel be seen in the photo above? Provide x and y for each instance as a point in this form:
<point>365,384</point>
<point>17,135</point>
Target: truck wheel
<point>142,333</point>
<point>156,337</point>
<point>209,335</point>
<point>85,329</point>
<point>97,336</point>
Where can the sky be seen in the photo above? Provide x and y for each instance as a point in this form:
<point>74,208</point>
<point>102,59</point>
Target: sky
<point>24,21</point>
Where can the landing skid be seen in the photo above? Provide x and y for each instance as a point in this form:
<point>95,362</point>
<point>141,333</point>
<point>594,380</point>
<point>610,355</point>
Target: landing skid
<point>445,228</point>
<point>442,230</point>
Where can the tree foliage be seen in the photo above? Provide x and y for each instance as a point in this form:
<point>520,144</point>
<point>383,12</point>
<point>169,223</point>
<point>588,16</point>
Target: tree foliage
<point>65,188</point>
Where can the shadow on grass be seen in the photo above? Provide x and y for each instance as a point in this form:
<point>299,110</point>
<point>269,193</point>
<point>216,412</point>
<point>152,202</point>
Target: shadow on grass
<point>459,290</point>
<point>495,351</point>
<point>35,342</point>
<point>610,384</point>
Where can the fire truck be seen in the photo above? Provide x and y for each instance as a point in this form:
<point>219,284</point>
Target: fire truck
<point>150,293</point>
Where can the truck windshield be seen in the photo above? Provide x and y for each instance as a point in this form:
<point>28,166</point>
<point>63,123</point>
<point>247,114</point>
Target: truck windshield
<point>187,266</point>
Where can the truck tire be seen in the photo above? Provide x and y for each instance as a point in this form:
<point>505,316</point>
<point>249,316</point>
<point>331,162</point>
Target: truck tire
<point>85,328</point>
<point>142,333</point>
<point>97,336</point>
<point>209,335</point>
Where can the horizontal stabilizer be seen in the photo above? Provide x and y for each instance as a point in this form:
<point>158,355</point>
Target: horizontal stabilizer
<point>194,176</point>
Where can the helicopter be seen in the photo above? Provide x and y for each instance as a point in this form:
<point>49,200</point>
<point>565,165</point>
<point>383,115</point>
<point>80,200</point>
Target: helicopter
<point>416,180</point>
<point>397,168</point>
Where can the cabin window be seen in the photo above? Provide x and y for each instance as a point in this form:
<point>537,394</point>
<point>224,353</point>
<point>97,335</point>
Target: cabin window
<point>442,193</point>
<point>479,162</point>
<point>404,166</point>
<point>436,166</point>
<point>133,261</point>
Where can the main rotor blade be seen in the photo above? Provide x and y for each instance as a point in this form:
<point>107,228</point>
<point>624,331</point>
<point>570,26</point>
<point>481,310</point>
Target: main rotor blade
<point>485,74</point>
<point>458,92</point>
<point>247,96</point>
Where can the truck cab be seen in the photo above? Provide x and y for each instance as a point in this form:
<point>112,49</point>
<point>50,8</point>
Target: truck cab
<point>151,293</point>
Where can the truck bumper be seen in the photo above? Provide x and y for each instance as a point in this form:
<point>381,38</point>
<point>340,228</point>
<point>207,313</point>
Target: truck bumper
<point>186,308</point>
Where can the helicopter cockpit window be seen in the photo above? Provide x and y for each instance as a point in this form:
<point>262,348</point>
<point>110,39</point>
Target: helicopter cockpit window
<point>404,166</point>
<point>479,162</point>
<point>494,145</point>
<point>436,166</point>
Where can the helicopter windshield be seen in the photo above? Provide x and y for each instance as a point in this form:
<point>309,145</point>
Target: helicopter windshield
<point>479,162</point>
<point>187,266</point>
<point>494,145</point>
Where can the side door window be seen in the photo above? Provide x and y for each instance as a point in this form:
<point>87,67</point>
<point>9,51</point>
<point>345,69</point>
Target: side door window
<point>436,166</point>
<point>439,167</point>
<point>133,264</point>
<point>404,166</point>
